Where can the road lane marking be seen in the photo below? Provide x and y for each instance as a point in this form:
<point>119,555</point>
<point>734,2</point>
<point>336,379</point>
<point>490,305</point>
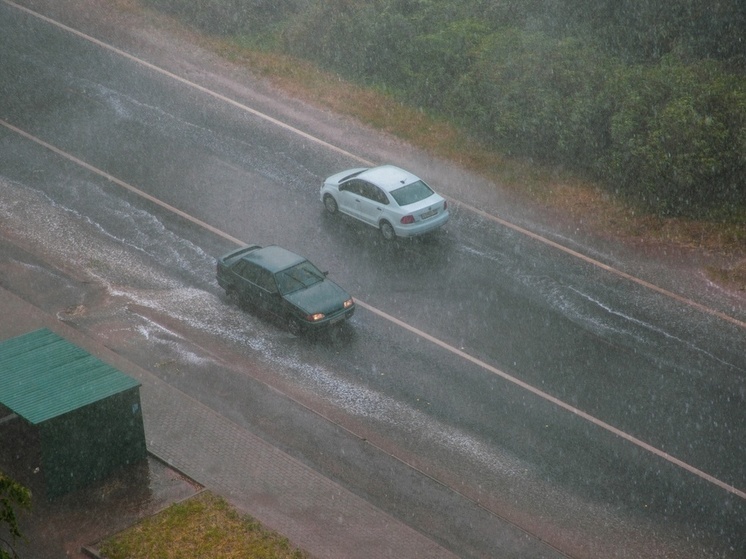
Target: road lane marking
<point>121,183</point>
<point>597,263</point>
<point>440,343</point>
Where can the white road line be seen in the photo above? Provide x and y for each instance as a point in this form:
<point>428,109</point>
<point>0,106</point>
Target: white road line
<point>486,366</point>
<point>606,267</point>
<point>121,183</point>
<point>548,397</point>
<point>597,263</point>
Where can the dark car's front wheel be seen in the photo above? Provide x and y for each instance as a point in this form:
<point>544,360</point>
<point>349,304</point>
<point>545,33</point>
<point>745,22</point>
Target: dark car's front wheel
<point>294,326</point>
<point>330,204</point>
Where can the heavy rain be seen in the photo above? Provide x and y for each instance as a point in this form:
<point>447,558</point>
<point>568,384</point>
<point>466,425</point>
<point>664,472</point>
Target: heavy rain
<point>526,381</point>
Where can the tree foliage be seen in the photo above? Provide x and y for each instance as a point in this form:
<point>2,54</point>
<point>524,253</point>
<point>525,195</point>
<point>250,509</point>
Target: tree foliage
<point>13,496</point>
<point>678,137</point>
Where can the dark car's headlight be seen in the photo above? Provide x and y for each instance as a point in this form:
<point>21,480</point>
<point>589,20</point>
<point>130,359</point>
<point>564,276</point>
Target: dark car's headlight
<point>348,303</point>
<point>315,317</point>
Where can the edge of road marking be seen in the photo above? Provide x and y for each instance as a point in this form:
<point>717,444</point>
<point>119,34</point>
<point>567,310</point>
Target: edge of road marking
<point>440,343</point>
<point>307,136</point>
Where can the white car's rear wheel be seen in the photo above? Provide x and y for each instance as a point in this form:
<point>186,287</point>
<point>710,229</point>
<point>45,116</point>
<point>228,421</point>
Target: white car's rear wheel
<point>387,230</point>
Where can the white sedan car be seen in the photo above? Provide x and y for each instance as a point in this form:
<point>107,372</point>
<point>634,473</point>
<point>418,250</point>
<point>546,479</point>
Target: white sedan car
<point>395,201</point>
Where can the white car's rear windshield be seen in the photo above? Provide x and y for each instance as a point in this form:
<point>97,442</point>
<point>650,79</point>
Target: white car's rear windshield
<point>411,193</point>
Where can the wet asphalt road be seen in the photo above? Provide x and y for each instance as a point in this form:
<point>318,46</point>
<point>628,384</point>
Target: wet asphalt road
<point>453,447</point>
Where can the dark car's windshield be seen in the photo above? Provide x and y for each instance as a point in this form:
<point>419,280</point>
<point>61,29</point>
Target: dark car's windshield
<point>411,193</point>
<point>298,277</point>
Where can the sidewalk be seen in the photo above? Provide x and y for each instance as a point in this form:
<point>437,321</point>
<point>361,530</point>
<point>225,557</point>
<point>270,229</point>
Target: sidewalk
<point>313,512</point>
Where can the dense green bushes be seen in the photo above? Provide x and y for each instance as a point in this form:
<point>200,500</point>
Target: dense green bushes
<point>631,92</point>
<point>679,137</point>
<point>537,97</point>
<point>670,135</point>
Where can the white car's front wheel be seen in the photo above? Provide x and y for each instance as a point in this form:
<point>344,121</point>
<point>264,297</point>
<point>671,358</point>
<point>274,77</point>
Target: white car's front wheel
<point>330,204</point>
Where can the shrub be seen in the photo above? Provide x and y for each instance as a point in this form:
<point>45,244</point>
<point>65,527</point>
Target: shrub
<point>532,95</point>
<point>678,140</point>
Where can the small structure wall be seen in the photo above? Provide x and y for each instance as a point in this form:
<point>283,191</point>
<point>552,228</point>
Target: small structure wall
<point>87,414</point>
<point>87,444</point>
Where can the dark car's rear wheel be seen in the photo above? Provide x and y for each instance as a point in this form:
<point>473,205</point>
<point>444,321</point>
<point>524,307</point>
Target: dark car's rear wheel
<point>387,230</point>
<point>330,204</point>
<point>233,297</point>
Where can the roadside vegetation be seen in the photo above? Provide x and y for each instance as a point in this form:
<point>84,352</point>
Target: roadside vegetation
<point>202,526</point>
<point>631,115</point>
<point>14,498</point>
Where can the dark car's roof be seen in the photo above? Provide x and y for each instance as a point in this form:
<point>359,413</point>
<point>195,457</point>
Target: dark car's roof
<point>274,258</point>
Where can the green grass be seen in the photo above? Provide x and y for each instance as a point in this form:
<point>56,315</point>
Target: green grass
<point>203,526</point>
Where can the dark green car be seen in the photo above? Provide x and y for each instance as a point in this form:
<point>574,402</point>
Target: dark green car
<point>285,285</point>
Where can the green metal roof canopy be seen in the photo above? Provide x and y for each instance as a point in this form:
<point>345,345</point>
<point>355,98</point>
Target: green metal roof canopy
<point>43,376</point>
<point>86,415</point>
